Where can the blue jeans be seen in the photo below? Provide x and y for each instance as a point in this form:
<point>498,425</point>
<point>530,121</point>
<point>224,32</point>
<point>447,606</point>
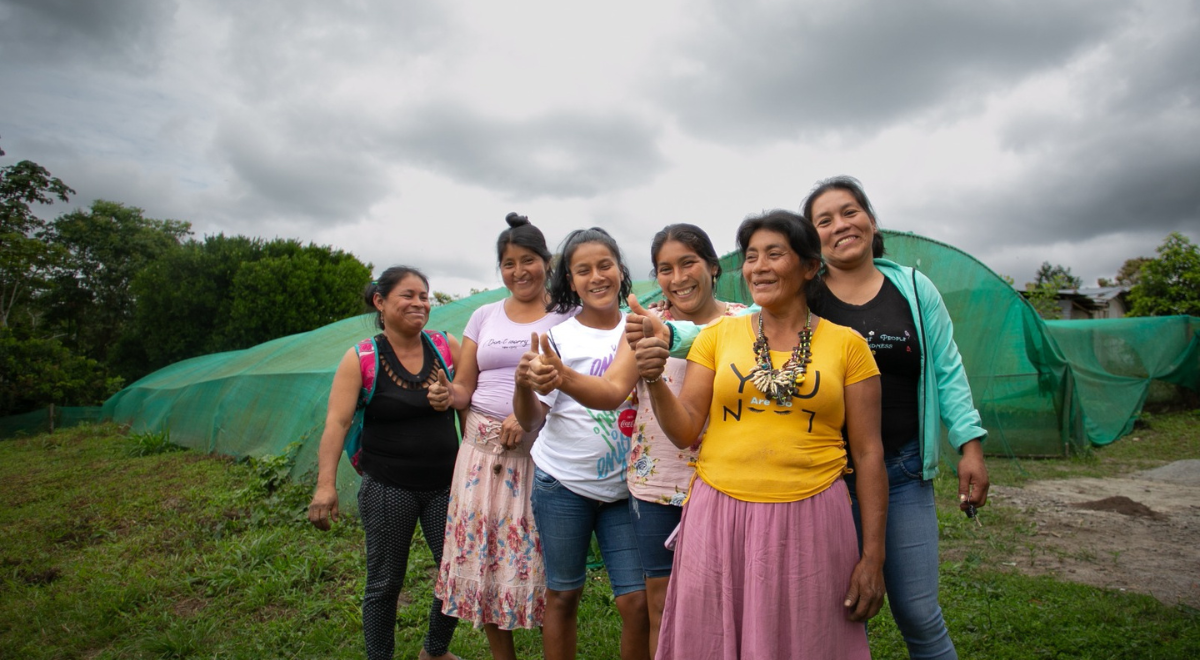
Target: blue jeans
<point>566,521</point>
<point>652,524</point>
<point>910,570</point>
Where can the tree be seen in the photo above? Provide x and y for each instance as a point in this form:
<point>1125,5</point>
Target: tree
<point>24,256</point>
<point>1042,293</point>
<point>36,372</point>
<point>1044,299</point>
<point>183,298</point>
<point>1170,283</point>
<point>227,293</point>
<point>1058,276</point>
<point>1131,271</point>
<point>89,297</point>
<point>326,283</point>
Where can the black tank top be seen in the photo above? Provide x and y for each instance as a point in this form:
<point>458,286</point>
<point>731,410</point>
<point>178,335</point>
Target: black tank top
<point>887,323</point>
<point>406,443</point>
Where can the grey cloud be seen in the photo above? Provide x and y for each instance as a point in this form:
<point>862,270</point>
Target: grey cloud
<point>561,154</point>
<point>1127,159</point>
<point>122,34</point>
<point>300,47</point>
<point>288,168</point>
<point>754,73</point>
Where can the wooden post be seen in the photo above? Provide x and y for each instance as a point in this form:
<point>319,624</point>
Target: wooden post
<point>52,418</point>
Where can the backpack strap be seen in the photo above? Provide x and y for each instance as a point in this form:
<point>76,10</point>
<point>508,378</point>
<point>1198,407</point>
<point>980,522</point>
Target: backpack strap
<point>439,341</point>
<point>368,366</point>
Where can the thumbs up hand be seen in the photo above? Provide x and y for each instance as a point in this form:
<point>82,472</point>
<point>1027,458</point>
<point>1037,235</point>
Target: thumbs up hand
<point>635,327</point>
<point>524,374</point>
<point>439,392</point>
<point>546,371</point>
<point>650,352</point>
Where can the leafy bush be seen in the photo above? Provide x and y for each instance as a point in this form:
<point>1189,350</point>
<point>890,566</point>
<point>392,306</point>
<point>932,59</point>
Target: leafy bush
<point>273,497</point>
<point>37,372</point>
<point>152,443</point>
<point>1169,284</point>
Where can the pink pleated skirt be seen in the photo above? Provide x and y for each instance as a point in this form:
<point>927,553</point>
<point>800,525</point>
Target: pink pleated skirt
<point>758,580</point>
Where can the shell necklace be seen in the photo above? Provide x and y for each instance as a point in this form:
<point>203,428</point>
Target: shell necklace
<point>781,384</point>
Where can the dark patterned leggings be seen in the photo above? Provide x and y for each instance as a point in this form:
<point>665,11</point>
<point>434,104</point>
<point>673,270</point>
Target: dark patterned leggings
<point>389,516</point>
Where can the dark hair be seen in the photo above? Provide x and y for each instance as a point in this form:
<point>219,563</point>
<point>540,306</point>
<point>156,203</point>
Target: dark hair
<point>854,187</point>
<point>522,234</point>
<point>387,281</point>
<point>800,233</point>
<point>690,235</point>
<point>562,298</point>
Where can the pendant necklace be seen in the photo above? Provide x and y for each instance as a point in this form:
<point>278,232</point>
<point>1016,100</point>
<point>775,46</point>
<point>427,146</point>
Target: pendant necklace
<point>781,384</point>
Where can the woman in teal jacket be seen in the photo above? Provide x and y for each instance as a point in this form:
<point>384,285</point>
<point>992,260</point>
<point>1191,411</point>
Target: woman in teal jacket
<point>902,315</point>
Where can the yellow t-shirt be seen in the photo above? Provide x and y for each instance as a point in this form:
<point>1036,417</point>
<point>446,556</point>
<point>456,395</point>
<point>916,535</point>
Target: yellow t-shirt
<point>756,450</point>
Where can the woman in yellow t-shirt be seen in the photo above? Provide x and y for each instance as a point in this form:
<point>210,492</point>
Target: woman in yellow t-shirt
<point>766,560</point>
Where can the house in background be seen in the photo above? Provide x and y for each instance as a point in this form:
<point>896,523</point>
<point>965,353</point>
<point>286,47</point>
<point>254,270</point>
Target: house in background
<point>1102,302</point>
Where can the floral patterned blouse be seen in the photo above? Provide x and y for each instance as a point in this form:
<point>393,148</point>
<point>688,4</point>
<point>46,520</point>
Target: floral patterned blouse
<point>659,471</point>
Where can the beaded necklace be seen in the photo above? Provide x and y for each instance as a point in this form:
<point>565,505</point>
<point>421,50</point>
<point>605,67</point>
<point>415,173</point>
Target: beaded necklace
<point>783,383</point>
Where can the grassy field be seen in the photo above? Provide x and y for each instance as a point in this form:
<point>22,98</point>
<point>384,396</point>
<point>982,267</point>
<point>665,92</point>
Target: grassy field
<point>115,546</point>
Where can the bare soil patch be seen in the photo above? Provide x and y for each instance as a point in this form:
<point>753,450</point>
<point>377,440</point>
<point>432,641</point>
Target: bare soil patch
<point>1138,533</point>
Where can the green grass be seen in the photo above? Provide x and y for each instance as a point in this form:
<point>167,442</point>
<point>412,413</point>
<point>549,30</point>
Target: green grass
<point>994,612</point>
<point>112,546</point>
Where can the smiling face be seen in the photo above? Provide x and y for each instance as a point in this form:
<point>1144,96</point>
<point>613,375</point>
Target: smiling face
<point>774,273</point>
<point>595,276</point>
<point>523,272</point>
<point>405,309</point>
<point>845,228</point>
<point>685,278</point>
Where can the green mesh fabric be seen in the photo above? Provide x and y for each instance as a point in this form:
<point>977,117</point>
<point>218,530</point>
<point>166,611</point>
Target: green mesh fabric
<point>38,421</point>
<point>1042,388</point>
<point>257,401</point>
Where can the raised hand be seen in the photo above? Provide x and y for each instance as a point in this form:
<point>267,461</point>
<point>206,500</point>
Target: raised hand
<point>523,373</point>
<point>650,352</point>
<point>546,371</point>
<point>439,393</point>
<point>636,330</point>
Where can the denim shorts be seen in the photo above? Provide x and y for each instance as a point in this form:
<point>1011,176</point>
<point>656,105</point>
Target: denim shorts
<point>566,522</point>
<point>653,523</point>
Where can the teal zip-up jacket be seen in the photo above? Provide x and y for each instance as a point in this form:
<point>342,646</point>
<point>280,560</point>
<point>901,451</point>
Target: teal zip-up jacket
<point>945,394</point>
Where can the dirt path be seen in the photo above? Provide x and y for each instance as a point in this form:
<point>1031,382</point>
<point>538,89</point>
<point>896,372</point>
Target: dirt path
<point>1137,533</point>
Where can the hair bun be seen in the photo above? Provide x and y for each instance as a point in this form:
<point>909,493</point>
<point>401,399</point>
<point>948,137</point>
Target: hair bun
<point>515,220</point>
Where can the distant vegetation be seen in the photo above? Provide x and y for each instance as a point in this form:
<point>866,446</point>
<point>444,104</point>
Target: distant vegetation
<point>99,297</point>
<point>1166,285</point>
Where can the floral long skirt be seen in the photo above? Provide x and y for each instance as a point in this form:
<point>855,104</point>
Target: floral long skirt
<point>492,571</point>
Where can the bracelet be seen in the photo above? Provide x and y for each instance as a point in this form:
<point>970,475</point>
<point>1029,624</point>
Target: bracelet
<point>650,382</point>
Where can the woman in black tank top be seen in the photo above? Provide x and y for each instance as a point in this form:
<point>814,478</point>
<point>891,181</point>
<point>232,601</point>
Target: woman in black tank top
<point>409,443</point>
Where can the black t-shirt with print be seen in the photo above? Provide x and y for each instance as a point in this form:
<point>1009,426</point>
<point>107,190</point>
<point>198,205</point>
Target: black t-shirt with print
<point>887,323</point>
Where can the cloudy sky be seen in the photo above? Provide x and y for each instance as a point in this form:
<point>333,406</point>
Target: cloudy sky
<point>403,131</point>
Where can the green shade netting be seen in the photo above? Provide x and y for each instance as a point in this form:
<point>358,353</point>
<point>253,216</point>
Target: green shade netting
<point>39,421</point>
<point>1041,388</point>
